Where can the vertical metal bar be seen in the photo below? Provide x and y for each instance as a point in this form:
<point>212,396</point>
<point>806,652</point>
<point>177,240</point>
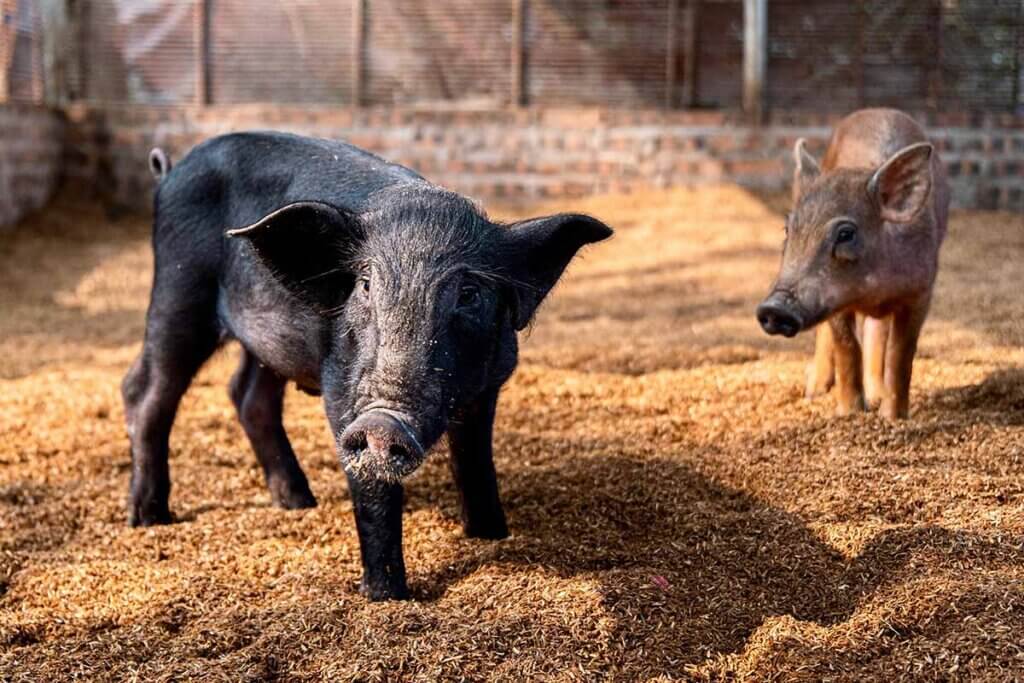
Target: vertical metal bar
<point>358,52</point>
<point>202,36</point>
<point>755,51</point>
<point>518,53</point>
<point>690,52</point>
<point>671,53</point>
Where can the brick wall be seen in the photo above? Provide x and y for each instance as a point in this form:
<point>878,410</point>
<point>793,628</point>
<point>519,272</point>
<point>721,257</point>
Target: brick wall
<point>30,159</point>
<point>537,152</point>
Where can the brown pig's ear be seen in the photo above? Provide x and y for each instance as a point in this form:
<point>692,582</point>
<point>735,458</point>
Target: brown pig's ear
<point>902,185</point>
<point>806,169</point>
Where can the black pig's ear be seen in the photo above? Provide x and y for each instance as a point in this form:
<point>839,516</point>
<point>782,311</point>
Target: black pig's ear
<point>306,246</point>
<point>541,250</point>
<point>902,185</point>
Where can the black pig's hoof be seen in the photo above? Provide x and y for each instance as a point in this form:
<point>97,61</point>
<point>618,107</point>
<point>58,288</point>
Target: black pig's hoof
<point>377,592</point>
<point>493,530</point>
<point>296,500</point>
<point>292,496</point>
<point>148,514</point>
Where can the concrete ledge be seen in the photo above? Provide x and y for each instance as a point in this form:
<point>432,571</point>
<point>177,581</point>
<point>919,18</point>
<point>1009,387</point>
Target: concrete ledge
<point>31,142</point>
<point>537,152</point>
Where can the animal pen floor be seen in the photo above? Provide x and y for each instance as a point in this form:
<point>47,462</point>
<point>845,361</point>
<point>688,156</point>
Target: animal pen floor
<point>678,510</point>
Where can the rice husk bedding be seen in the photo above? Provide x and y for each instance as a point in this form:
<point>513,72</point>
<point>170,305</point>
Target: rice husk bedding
<point>678,510</point>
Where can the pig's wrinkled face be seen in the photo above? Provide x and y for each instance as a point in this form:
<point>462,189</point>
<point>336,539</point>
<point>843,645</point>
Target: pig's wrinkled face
<point>421,299</point>
<point>425,328</point>
<point>831,235</point>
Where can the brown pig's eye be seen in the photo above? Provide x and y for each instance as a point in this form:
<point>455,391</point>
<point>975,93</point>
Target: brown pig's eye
<point>846,233</point>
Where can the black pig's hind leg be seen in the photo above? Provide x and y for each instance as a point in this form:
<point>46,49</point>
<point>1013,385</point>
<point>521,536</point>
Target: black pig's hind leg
<point>258,395</point>
<point>181,334</point>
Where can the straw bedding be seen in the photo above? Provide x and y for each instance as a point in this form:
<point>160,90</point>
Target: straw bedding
<point>678,510</point>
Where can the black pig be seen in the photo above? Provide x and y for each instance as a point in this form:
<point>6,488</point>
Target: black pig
<point>396,300</point>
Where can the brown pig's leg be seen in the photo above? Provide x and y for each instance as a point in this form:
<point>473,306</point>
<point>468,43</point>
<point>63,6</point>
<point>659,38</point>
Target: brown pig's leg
<point>899,359</point>
<point>875,336</point>
<point>849,390</point>
<point>821,371</point>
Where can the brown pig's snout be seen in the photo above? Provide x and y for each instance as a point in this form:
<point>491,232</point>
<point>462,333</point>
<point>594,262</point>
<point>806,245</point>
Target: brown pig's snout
<point>779,314</point>
<point>382,435</point>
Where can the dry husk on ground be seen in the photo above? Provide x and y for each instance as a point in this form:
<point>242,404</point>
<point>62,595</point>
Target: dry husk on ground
<point>678,510</point>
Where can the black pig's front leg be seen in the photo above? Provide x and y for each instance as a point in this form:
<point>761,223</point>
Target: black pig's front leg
<point>472,462</point>
<point>378,509</point>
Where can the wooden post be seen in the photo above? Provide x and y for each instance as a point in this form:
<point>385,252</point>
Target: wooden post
<point>935,73</point>
<point>518,53</point>
<point>81,18</point>
<point>358,52</point>
<point>862,23</point>
<point>1017,101</point>
<point>8,41</point>
<point>57,42</point>
<point>202,33</point>
<point>755,56</point>
<point>671,53</point>
<point>690,51</point>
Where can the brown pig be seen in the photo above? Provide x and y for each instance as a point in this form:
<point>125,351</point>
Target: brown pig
<point>860,258</point>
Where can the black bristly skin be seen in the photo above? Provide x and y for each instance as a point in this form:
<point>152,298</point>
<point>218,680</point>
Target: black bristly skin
<point>358,280</point>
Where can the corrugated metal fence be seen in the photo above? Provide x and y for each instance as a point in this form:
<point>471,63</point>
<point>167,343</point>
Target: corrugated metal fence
<point>820,54</point>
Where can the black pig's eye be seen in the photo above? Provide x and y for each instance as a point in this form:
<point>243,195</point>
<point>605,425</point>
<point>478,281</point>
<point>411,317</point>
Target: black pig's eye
<point>363,285</point>
<point>469,296</point>
<point>846,233</point>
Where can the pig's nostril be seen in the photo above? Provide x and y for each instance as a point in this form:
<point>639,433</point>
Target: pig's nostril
<point>777,320</point>
<point>355,442</point>
<point>379,434</point>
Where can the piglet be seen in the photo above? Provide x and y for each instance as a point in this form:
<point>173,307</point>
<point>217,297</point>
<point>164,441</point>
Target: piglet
<point>394,299</point>
<point>860,258</point>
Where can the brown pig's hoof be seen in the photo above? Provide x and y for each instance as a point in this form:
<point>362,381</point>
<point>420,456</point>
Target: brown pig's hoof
<point>892,411</point>
<point>849,406</point>
<point>814,390</point>
<point>818,383</point>
<point>873,396</point>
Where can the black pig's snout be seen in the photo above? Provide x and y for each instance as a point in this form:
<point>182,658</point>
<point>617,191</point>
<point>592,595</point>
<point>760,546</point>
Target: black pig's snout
<point>777,316</point>
<point>381,444</point>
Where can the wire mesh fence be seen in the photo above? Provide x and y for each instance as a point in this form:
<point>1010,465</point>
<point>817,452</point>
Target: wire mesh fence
<point>918,55</point>
<point>137,52</point>
<point>821,54</point>
<point>21,51</point>
<point>272,51</point>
